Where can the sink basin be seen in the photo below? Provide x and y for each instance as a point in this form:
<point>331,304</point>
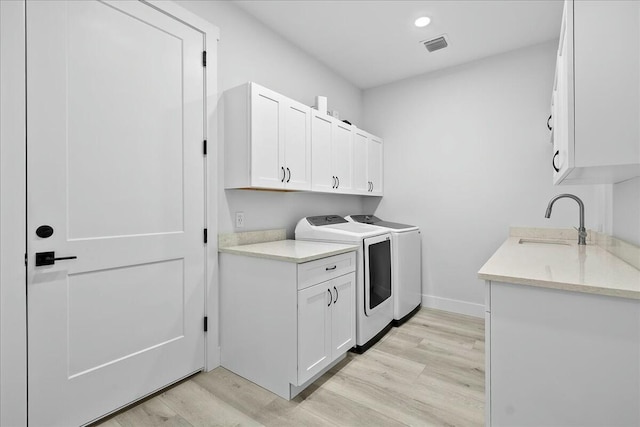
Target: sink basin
<point>542,242</point>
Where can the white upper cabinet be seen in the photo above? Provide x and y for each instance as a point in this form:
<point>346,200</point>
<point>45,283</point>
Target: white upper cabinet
<point>267,140</point>
<point>596,99</point>
<point>331,154</point>
<point>367,163</point>
<point>275,143</point>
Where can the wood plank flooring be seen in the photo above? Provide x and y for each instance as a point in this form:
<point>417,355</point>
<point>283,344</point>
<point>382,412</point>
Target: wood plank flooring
<point>428,372</point>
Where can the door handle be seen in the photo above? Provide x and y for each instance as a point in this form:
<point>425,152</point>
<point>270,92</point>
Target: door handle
<point>334,182</point>
<point>335,300</point>
<point>330,297</point>
<point>49,258</point>
<point>338,179</point>
<point>553,161</point>
<point>283,173</point>
<point>289,170</point>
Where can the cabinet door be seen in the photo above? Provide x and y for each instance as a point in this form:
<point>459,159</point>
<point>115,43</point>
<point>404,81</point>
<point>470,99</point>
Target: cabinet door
<point>375,165</point>
<point>267,158</point>
<point>360,176</point>
<point>564,118</point>
<point>322,177</point>
<point>342,155</point>
<point>314,330</point>
<point>343,316</point>
<point>297,145</point>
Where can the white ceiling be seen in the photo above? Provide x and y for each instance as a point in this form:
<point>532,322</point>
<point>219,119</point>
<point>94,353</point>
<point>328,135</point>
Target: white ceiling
<point>371,43</point>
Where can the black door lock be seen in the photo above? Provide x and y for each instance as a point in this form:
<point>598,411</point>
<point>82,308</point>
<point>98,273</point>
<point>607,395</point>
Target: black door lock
<point>49,258</point>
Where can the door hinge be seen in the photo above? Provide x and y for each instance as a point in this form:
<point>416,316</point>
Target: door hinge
<point>204,147</point>
<point>204,58</point>
<point>206,323</point>
<point>205,235</point>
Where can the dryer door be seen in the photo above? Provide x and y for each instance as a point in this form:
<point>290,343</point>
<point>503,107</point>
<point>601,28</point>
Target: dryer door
<point>377,272</point>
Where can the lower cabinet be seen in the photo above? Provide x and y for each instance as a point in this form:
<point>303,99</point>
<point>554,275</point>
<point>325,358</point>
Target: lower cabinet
<point>326,324</point>
<point>283,324</point>
<point>561,358</point>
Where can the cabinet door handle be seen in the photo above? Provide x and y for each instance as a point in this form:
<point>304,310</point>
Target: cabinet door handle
<point>553,161</point>
<point>335,300</point>
<point>330,297</point>
<point>334,182</point>
<point>548,122</point>
<point>331,268</point>
<point>283,173</point>
<point>338,179</point>
<point>289,170</point>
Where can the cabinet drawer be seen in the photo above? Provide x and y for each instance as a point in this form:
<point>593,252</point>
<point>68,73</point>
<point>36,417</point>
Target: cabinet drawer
<point>313,272</point>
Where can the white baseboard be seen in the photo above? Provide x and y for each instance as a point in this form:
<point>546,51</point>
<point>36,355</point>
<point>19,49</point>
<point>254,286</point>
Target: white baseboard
<point>453,305</point>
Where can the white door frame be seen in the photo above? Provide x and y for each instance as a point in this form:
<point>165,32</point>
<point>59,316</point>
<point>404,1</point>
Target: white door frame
<point>13,152</point>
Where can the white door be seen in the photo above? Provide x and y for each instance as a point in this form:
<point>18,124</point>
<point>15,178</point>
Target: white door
<point>343,316</point>
<point>314,330</point>
<point>115,168</point>
<point>297,145</point>
<point>322,176</point>
<point>342,155</point>
<point>267,156</point>
<point>360,178</point>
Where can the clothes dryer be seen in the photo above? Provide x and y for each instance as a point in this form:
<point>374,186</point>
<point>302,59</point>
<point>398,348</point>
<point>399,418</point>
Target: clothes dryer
<point>406,253</point>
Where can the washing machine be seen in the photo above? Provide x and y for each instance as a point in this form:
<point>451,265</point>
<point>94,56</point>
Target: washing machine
<point>406,253</point>
<point>374,291</point>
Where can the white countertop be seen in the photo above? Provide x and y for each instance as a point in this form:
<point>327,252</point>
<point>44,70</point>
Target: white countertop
<point>569,267</point>
<point>297,251</point>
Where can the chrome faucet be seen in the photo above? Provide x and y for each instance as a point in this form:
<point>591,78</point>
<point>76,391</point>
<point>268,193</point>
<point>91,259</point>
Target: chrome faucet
<point>582,232</point>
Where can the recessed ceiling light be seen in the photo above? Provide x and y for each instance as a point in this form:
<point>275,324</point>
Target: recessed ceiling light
<point>423,21</point>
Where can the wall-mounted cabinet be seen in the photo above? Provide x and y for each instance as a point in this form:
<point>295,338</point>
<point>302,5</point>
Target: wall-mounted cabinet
<point>367,163</point>
<point>268,140</point>
<point>596,97</point>
<point>275,143</point>
<point>331,154</point>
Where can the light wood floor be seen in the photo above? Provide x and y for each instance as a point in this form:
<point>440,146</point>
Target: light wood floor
<point>428,372</point>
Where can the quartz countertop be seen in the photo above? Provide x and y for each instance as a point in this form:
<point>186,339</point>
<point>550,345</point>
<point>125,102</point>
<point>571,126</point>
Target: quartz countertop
<point>296,251</point>
<point>562,264</point>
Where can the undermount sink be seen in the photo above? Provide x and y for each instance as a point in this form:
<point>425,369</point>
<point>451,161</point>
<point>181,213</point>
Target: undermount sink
<point>542,242</point>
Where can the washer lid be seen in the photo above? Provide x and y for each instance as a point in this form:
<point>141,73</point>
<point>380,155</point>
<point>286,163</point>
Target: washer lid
<point>374,220</point>
<point>325,220</point>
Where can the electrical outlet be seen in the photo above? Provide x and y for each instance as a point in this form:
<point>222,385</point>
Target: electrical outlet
<point>239,219</point>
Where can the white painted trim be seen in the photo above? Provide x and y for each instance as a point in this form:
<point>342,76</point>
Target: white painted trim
<point>453,305</point>
<point>211,37</point>
<point>13,299</point>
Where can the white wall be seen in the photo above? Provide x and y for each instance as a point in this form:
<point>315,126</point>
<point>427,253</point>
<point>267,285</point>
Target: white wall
<point>626,211</point>
<point>248,51</point>
<point>466,156</point>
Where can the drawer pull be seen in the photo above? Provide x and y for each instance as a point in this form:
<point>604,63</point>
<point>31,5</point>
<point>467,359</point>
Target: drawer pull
<point>331,268</point>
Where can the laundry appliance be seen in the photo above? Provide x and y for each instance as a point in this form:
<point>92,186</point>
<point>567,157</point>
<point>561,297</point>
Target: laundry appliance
<point>406,253</point>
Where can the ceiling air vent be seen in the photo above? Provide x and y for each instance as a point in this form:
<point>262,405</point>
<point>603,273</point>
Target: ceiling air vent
<point>435,44</point>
